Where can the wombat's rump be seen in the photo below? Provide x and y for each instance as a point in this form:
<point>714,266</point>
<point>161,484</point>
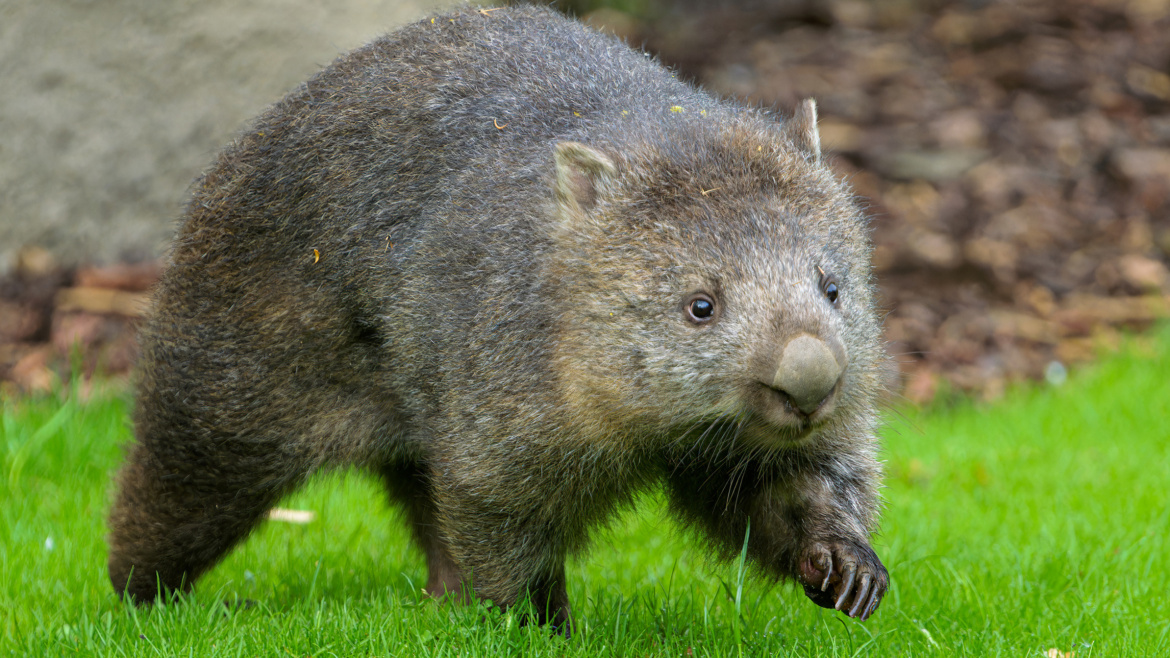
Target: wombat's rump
<point>521,272</point>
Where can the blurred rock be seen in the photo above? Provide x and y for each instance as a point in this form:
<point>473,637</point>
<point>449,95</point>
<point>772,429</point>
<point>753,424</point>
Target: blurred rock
<point>935,249</point>
<point>934,166</point>
<point>77,331</point>
<point>1144,274</point>
<point>962,130</point>
<point>1083,313</point>
<point>104,301</point>
<point>31,373</point>
<point>1020,326</point>
<point>18,322</point>
<point>1138,165</point>
<point>856,14</point>
<point>840,135</point>
<point>1146,81</point>
<point>922,386</point>
<point>133,277</point>
<point>33,261</point>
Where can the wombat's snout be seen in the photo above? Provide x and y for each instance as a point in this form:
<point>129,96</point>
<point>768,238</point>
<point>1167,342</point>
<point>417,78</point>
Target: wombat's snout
<point>808,372</point>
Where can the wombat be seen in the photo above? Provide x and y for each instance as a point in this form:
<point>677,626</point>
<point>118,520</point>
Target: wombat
<point>522,273</point>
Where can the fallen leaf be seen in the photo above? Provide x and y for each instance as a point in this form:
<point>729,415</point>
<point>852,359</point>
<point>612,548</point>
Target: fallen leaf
<point>297,516</point>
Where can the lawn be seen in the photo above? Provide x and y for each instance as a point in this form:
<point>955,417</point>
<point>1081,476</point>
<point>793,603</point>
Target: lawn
<point>1033,526</point>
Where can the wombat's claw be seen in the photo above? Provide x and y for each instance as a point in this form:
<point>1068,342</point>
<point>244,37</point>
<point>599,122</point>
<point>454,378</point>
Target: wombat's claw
<point>874,600</point>
<point>862,593</point>
<point>818,560</point>
<point>857,585</point>
<point>850,573</point>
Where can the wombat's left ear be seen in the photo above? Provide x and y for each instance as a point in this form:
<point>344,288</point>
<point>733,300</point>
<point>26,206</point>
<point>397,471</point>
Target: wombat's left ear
<point>583,173</point>
<point>802,128</point>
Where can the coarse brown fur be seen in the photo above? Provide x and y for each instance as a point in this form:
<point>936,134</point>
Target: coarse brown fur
<point>465,256</point>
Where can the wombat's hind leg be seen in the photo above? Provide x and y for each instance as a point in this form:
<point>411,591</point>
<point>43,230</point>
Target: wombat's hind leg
<point>410,486</point>
<point>550,600</point>
<point>171,523</point>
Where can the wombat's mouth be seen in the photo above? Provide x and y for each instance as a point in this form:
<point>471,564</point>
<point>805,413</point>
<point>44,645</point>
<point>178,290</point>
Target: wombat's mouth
<point>763,431</point>
<point>778,409</point>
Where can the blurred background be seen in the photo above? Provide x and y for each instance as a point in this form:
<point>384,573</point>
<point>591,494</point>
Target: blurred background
<point>1014,155</point>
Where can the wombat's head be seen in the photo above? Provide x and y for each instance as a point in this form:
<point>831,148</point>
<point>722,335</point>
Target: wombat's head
<point>717,279</point>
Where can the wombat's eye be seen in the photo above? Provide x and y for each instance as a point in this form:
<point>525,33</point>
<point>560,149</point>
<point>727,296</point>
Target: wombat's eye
<point>830,289</point>
<point>699,308</point>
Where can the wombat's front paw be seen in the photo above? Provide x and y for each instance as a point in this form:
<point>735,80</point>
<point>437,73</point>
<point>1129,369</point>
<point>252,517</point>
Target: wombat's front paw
<point>845,577</point>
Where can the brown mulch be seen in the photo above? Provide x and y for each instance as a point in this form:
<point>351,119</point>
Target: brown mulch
<point>1014,156</point>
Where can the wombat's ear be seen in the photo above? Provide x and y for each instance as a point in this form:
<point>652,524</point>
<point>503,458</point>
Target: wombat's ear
<point>582,174</point>
<point>802,128</point>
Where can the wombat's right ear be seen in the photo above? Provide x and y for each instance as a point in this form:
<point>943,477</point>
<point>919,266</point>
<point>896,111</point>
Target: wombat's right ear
<point>583,173</point>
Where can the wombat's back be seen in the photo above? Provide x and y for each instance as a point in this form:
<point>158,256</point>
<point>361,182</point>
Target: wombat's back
<point>455,111</point>
<point>347,243</point>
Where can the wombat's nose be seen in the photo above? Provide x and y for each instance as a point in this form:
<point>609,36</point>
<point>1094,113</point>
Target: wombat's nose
<point>808,372</point>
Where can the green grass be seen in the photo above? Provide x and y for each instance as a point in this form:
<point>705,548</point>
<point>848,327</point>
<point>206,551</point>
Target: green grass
<point>1034,523</point>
